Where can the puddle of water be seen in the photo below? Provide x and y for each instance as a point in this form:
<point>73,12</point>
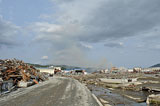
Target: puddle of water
<point>135,104</point>
<point>114,98</point>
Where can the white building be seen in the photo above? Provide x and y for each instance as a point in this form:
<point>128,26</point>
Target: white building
<point>130,70</point>
<point>50,71</point>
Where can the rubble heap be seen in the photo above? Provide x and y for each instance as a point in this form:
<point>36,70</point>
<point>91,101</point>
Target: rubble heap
<point>13,72</point>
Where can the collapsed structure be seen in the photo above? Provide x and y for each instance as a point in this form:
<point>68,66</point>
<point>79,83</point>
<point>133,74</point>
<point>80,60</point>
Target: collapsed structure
<point>15,73</point>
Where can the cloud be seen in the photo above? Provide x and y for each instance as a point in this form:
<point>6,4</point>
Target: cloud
<point>8,33</point>
<point>65,48</point>
<point>86,46</point>
<point>83,22</point>
<point>44,58</point>
<point>149,39</point>
<point>45,16</point>
<point>109,19</point>
<point>62,36</point>
<point>116,45</point>
<point>62,1</point>
<point>71,56</point>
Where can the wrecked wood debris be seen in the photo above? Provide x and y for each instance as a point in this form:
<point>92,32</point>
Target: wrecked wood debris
<point>15,73</point>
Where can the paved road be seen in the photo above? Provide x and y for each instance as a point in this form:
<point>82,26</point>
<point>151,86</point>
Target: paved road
<point>55,92</point>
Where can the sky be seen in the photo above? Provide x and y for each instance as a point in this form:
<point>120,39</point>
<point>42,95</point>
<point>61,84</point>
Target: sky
<point>87,33</point>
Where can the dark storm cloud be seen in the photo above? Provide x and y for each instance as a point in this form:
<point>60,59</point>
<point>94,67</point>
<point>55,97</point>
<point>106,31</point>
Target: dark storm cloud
<point>114,19</point>
<point>103,20</point>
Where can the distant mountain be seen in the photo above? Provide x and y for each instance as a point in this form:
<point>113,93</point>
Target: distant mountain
<point>157,65</point>
<point>39,65</point>
<point>64,67</point>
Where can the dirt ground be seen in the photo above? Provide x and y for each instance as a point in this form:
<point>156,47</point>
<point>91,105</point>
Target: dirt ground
<point>57,91</point>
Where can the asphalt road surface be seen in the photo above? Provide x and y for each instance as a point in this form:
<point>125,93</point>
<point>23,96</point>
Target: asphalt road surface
<point>55,92</point>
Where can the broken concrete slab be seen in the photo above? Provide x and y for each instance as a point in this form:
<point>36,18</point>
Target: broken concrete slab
<point>23,84</point>
<point>116,81</point>
<point>153,100</point>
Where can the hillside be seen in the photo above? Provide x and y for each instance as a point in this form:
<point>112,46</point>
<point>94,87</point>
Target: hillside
<point>157,65</point>
<point>64,67</point>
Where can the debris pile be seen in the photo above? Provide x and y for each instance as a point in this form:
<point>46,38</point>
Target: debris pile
<point>15,73</point>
